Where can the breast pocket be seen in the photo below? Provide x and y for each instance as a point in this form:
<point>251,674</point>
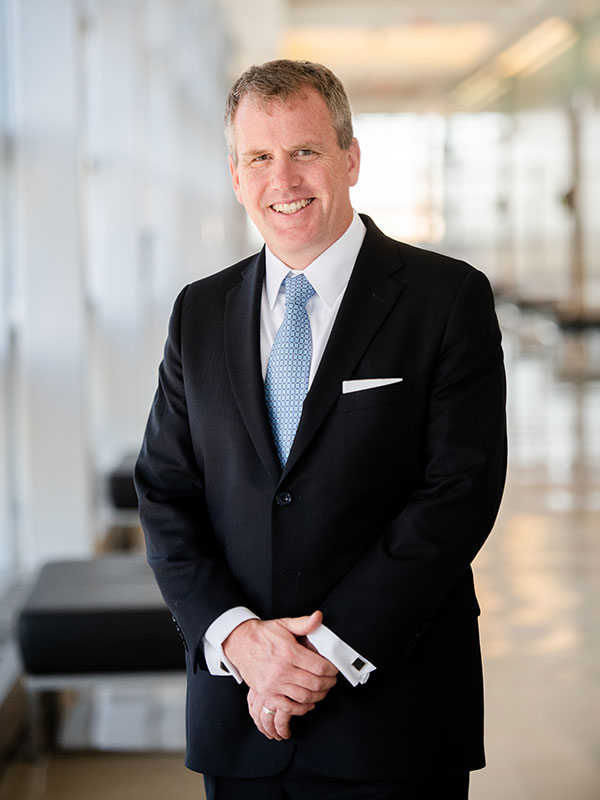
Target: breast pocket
<point>377,396</point>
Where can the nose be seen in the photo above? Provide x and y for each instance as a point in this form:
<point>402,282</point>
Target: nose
<point>285,174</point>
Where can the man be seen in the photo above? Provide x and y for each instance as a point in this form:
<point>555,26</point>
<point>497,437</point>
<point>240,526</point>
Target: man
<point>324,457</point>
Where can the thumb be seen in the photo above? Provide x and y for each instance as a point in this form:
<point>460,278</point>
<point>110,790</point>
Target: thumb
<point>302,626</point>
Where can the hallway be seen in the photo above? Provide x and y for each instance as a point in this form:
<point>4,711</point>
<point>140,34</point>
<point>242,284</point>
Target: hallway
<point>538,580</point>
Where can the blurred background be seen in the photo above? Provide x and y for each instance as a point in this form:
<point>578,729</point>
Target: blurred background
<point>479,123</point>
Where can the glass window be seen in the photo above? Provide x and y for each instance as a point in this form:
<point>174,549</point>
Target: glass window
<point>7,467</point>
<point>402,171</point>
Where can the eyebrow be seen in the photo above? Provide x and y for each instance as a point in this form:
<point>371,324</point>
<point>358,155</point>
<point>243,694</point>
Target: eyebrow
<point>253,153</point>
<point>259,152</point>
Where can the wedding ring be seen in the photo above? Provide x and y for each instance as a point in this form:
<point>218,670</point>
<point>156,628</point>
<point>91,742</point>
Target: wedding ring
<point>268,711</point>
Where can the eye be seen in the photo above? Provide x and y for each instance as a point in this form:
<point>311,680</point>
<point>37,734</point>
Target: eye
<point>305,152</point>
<point>262,157</point>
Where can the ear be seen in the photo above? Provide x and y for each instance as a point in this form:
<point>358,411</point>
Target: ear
<point>235,180</point>
<point>353,162</point>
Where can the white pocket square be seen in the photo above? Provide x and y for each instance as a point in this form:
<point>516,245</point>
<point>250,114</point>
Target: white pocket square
<point>367,383</point>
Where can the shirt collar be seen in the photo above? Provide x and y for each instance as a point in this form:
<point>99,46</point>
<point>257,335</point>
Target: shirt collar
<point>329,273</point>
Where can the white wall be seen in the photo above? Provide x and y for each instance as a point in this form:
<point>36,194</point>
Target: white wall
<point>53,454</point>
<point>7,493</point>
<point>115,194</point>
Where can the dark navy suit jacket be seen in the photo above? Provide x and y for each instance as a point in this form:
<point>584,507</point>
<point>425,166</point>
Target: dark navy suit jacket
<point>387,496</point>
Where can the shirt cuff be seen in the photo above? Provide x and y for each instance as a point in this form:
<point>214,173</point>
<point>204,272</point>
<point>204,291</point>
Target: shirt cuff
<point>351,664</point>
<point>212,641</point>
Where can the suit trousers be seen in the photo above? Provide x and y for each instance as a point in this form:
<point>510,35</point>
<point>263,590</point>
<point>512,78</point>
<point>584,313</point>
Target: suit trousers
<point>300,782</point>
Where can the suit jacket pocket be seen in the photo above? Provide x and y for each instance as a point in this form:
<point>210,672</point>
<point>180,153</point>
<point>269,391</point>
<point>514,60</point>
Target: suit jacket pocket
<point>380,395</point>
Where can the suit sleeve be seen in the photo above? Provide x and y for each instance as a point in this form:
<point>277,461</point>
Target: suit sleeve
<point>196,584</point>
<point>386,603</point>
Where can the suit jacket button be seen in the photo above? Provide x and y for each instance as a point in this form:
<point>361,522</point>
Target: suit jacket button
<point>283,498</point>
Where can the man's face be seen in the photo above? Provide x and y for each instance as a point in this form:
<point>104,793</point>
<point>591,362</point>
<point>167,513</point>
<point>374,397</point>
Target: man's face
<point>291,175</point>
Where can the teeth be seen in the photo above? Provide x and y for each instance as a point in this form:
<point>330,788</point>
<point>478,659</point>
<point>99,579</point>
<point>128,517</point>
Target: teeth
<point>291,208</point>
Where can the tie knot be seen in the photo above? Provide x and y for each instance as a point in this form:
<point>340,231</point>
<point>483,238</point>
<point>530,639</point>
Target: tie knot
<point>297,290</point>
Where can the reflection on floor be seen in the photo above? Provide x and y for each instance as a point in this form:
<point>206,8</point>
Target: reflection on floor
<point>101,776</point>
<point>538,579</point>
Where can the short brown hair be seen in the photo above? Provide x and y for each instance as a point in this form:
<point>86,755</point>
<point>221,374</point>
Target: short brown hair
<point>282,78</point>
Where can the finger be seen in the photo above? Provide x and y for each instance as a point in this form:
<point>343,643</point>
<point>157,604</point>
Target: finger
<point>275,726</point>
<point>254,707</point>
<point>301,626</point>
<point>281,722</point>
<point>301,695</point>
<point>313,683</point>
<point>262,707</point>
<point>307,680</point>
<point>257,715</point>
<point>311,661</point>
<point>309,687</point>
<point>268,722</point>
<point>276,678</point>
<point>289,706</point>
<point>305,642</point>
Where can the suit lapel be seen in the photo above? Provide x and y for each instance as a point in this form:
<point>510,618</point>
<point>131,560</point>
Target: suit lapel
<point>372,291</point>
<point>242,353</point>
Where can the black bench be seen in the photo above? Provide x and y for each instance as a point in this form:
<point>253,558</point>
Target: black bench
<point>92,620</point>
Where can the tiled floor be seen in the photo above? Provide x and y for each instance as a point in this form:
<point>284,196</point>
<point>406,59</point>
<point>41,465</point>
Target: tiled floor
<point>538,579</point>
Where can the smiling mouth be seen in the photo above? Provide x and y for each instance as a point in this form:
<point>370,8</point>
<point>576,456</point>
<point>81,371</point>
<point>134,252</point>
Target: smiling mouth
<point>292,208</point>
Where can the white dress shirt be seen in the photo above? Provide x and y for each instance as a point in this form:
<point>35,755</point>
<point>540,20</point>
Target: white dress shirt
<point>329,275</point>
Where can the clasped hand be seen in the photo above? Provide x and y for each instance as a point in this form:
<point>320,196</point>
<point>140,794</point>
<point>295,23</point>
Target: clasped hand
<point>283,674</point>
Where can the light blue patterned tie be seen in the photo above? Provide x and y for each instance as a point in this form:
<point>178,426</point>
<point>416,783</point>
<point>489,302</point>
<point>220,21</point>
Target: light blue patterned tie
<point>286,383</point>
